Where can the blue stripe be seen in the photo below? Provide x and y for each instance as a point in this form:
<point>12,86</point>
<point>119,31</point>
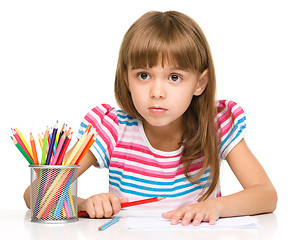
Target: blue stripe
<point>124,116</point>
<point>124,176</point>
<point>103,156</point>
<point>237,135</point>
<point>234,129</point>
<point>155,194</point>
<point>128,123</point>
<point>82,124</point>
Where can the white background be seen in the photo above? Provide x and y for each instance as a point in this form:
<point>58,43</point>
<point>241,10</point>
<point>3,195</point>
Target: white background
<point>58,60</point>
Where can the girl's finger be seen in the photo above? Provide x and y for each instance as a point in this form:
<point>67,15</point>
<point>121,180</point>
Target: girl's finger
<point>177,215</point>
<point>107,208</point>
<point>212,220</point>
<point>168,215</point>
<point>99,213</point>
<point>198,219</point>
<point>188,217</point>
<point>115,203</point>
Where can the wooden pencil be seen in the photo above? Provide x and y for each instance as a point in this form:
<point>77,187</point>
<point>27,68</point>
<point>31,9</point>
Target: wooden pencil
<point>81,148</point>
<point>44,152</point>
<point>139,202</point>
<point>18,139</point>
<point>75,149</point>
<point>24,141</point>
<point>33,148</point>
<point>64,149</point>
<point>85,150</point>
<point>129,204</point>
<point>52,144</point>
<point>59,149</point>
<point>22,151</point>
<point>40,140</point>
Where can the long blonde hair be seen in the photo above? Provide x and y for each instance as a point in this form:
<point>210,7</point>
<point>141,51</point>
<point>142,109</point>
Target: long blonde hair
<point>173,37</point>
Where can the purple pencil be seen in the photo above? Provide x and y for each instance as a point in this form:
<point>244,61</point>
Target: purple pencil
<point>52,143</point>
<point>59,148</point>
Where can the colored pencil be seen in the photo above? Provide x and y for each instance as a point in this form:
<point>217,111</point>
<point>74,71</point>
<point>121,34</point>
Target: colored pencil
<point>54,194</point>
<point>129,204</point>
<point>22,151</point>
<point>24,141</point>
<point>52,144</point>
<point>40,140</point>
<point>139,202</point>
<point>75,150</point>
<point>44,152</point>
<point>33,148</point>
<point>64,149</point>
<point>85,150</point>
<point>109,223</point>
<point>17,138</point>
<point>58,151</point>
<point>82,146</point>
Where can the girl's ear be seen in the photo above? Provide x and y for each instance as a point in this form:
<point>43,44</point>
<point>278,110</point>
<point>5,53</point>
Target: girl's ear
<point>202,82</point>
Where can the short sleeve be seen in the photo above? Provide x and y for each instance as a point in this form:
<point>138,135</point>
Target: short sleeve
<point>103,119</point>
<point>231,122</point>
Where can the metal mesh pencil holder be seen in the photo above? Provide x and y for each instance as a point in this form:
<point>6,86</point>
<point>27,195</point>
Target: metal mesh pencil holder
<point>53,193</point>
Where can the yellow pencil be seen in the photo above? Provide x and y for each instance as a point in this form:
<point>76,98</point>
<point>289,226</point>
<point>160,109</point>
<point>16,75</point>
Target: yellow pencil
<point>24,142</point>
<point>40,141</point>
<point>82,146</point>
<point>75,150</point>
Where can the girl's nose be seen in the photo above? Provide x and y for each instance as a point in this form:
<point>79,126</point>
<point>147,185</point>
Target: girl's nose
<point>157,90</point>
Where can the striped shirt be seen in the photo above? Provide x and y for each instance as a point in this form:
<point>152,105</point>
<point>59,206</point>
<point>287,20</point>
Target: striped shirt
<point>138,171</point>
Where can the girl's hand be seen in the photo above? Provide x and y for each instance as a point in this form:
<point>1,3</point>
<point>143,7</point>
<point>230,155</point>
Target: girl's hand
<point>206,211</point>
<point>102,205</point>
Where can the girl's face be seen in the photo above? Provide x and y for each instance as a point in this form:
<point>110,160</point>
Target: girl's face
<point>162,94</point>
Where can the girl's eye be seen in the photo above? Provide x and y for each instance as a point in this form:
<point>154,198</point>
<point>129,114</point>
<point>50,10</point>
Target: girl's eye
<point>175,78</point>
<point>143,76</point>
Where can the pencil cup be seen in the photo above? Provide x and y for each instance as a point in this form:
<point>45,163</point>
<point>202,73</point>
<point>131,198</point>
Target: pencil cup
<point>53,194</point>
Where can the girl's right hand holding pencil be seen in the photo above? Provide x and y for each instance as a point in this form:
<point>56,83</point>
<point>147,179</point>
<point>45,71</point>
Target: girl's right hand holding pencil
<point>101,205</point>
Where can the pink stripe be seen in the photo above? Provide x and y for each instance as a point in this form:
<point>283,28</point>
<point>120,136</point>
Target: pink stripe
<point>103,115</point>
<point>237,112</point>
<point>153,173</point>
<point>146,161</point>
<point>107,113</point>
<point>230,115</point>
<point>100,132</point>
<point>143,149</point>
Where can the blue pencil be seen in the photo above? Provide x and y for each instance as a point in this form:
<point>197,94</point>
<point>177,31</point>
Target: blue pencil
<point>108,224</point>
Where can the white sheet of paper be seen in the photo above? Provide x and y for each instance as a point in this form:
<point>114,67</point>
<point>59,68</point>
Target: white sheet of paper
<point>153,220</point>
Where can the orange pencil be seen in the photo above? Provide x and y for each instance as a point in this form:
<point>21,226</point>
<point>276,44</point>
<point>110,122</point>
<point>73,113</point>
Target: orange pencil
<point>85,150</point>
<point>34,152</point>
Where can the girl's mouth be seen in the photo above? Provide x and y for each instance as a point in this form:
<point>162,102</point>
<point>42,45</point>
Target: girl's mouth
<point>157,110</point>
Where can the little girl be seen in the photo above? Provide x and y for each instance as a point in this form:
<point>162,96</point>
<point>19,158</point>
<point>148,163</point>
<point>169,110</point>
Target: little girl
<point>171,134</point>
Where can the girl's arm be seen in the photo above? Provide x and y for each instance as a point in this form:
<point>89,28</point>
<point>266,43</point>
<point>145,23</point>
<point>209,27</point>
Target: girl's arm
<point>258,196</point>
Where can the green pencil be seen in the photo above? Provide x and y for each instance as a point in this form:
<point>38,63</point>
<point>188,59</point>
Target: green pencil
<point>44,153</point>
<point>22,151</point>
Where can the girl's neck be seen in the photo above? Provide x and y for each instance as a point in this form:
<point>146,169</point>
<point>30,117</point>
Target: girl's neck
<point>164,138</point>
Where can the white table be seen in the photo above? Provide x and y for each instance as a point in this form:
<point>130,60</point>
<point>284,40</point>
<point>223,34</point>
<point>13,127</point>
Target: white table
<point>16,225</point>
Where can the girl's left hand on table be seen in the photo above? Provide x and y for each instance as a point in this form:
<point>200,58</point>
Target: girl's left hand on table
<point>205,211</point>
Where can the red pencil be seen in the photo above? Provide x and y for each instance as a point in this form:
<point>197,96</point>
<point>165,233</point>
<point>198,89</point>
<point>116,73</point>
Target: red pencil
<point>129,204</point>
<point>139,202</point>
<point>64,149</point>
